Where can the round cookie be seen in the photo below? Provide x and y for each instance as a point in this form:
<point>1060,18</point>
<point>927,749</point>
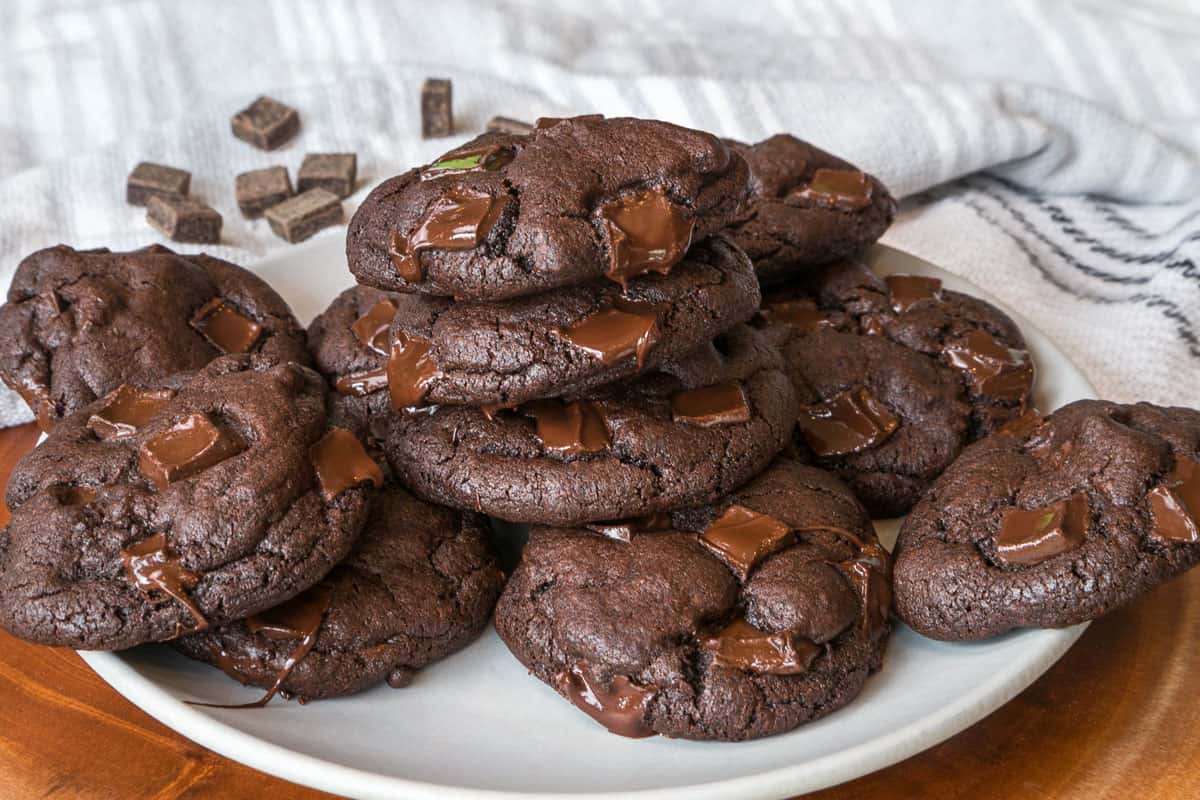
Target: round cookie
<point>420,584</point>
<point>576,200</point>
<point>201,499</point>
<point>894,377</point>
<point>349,343</point>
<point>1054,521</point>
<point>567,341</point>
<point>806,208</point>
<point>79,323</point>
<point>751,617</point>
<point>686,435</point>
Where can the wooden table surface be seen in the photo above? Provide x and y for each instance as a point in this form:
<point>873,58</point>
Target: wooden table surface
<point>1115,718</point>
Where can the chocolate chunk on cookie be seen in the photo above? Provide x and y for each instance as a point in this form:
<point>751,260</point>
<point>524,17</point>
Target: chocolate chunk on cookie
<point>509,215</point>
<point>420,584</point>
<point>1051,522</point>
<point>79,323</point>
<point>700,427</point>
<point>764,611</point>
<point>807,207</point>
<point>567,341</point>
<point>895,376</point>
<point>178,505</point>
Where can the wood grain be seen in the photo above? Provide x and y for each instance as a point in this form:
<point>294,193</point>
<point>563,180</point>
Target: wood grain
<point>1115,718</point>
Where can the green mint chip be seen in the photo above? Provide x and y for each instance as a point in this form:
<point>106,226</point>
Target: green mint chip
<point>466,162</point>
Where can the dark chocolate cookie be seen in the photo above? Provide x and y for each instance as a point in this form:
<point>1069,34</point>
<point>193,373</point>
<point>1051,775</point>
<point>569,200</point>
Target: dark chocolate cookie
<point>686,435</point>
<point>198,500</point>
<point>1052,522</point>
<point>349,342</point>
<point>774,615</point>
<point>420,584</point>
<point>807,207</point>
<point>895,377</point>
<point>575,200</point>
<point>562,342</point>
<point>79,323</point>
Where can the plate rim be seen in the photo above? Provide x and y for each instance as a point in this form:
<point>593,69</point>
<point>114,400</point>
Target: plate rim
<point>828,770</point>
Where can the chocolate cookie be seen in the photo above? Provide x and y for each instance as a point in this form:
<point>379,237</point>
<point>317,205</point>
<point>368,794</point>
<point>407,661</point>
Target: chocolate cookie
<point>1053,521</point>
<point>895,377</point>
<point>349,342</point>
<point>162,510</point>
<point>419,585</point>
<point>562,342</point>
<point>79,323</point>
<point>685,435</point>
<point>807,207</point>
<point>575,200</point>
<point>755,615</point>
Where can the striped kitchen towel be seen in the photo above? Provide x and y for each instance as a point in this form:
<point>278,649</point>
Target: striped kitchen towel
<point>1048,151</point>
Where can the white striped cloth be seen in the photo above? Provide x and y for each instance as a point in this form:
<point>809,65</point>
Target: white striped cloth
<point>1049,151</point>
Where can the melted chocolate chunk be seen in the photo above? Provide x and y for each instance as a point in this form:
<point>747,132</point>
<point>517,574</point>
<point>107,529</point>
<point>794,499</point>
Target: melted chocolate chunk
<point>459,220</point>
<point>1175,504</point>
<point>188,447</point>
<point>710,406</point>
<point>410,370</point>
<point>342,463</point>
<point>570,429</point>
<point>646,233</point>
<point>152,566</point>
<point>623,529</point>
<point>128,408</point>
<point>360,384</point>
<point>905,291</point>
<point>869,573</point>
<point>848,423</point>
<point>740,645</point>
<point>228,330</point>
<point>743,538</point>
<point>489,157</point>
<point>800,314</point>
<point>611,334</point>
<point>993,369</point>
<point>847,189</point>
<point>621,709</point>
<point>1030,536</point>
<point>371,329</point>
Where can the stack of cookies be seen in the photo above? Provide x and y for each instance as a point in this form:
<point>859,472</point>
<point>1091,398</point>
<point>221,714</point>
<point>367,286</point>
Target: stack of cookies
<point>660,350</point>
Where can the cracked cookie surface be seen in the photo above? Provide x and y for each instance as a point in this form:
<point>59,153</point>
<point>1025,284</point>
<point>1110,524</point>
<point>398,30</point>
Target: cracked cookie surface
<point>656,635</point>
<point>1052,522</point>
<point>420,584</point>
<point>625,449</point>
<point>199,499</point>
<point>79,323</point>
<point>509,215</point>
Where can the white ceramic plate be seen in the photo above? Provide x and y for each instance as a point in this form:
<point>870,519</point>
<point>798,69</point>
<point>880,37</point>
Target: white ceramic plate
<point>476,725</point>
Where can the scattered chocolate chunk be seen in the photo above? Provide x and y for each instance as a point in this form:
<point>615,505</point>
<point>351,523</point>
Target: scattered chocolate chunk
<point>190,446</point>
<point>720,404</point>
<point>570,429</point>
<point>225,328</point>
<point>266,123</point>
<point>742,538</point>
<point>342,463</point>
<point>303,215</point>
<point>183,220</point>
<point>333,172</point>
<point>260,189</point>
<point>848,423</point>
<point>437,116</point>
<point>739,645</point>
<point>1030,536</point>
<point>155,180</point>
<point>128,408</point>
<point>508,125</point>
<point>621,708</point>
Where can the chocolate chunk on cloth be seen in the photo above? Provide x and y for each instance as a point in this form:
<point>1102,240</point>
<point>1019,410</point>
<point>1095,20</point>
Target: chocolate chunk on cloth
<point>437,112</point>
<point>531,464</point>
<point>182,219</point>
<point>299,217</point>
<point>510,215</point>
<point>266,123</point>
<point>156,180</point>
<point>895,376</point>
<point>807,207</point>
<point>574,339</point>
<point>260,189</point>
<point>656,635</point>
<point>1053,521</point>
<point>78,324</point>
<point>508,125</point>
<point>209,510</point>
<point>419,585</point>
<point>333,172</point>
